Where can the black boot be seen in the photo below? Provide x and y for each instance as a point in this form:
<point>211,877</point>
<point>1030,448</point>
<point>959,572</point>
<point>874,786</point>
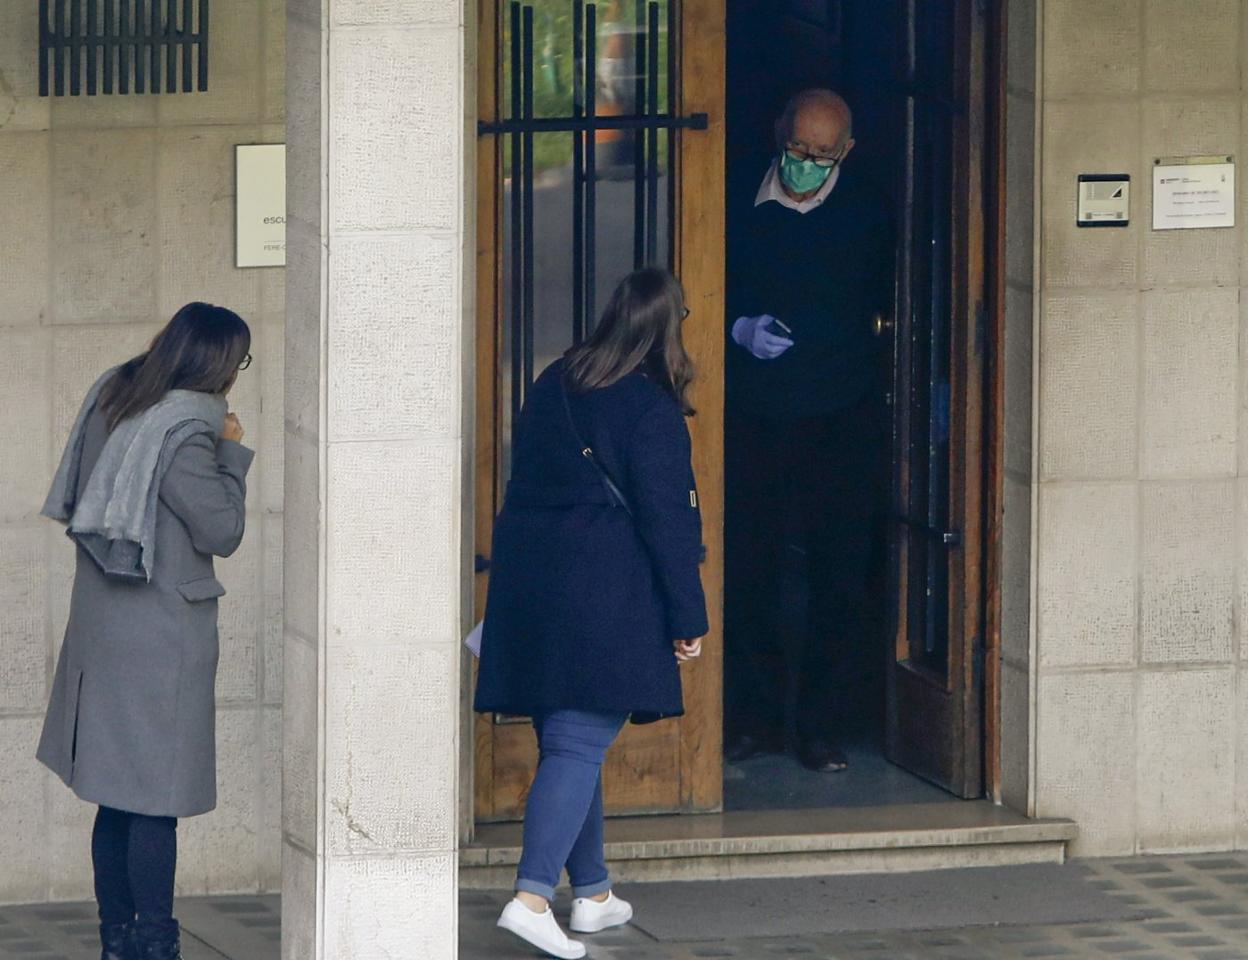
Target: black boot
<point>118,941</point>
<point>163,943</point>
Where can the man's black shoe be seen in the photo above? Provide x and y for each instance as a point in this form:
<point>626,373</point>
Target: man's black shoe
<point>746,746</point>
<point>822,756</point>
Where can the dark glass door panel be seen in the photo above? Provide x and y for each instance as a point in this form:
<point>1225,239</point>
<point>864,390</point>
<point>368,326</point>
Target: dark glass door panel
<point>923,503</point>
<point>926,502</point>
<point>934,681</point>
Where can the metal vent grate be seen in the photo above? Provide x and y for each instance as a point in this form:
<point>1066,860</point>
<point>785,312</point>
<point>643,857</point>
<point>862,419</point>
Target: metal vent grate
<point>122,46</point>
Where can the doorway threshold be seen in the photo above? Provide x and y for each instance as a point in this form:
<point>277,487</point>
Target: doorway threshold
<point>795,843</point>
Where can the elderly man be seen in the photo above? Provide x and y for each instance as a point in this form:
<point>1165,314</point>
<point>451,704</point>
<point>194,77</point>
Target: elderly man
<point>810,262</point>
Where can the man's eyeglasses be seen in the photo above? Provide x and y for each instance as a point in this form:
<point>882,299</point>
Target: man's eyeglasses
<point>246,362</point>
<point>800,155</point>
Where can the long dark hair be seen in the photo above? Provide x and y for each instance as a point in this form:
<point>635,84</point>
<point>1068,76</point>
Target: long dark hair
<point>200,349</point>
<point>639,330</point>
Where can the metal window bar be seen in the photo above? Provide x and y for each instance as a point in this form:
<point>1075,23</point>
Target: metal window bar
<point>137,44</point>
<point>640,77</point>
<point>521,126</point>
<point>92,48</point>
<point>591,122</point>
<point>517,216</point>
<point>529,312</point>
<point>75,58</point>
<point>171,46</point>
<point>153,46</point>
<point>652,136</point>
<point>590,223</point>
<point>578,172</point>
<point>114,46</point>
<point>110,30</point>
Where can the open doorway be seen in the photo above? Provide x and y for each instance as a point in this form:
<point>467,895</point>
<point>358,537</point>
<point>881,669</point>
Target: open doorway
<point>852,589</point>
<point>619,133</point>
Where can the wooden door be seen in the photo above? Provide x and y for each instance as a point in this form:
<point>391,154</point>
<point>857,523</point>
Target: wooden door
<point>935,679</point>
<point>601,149</point>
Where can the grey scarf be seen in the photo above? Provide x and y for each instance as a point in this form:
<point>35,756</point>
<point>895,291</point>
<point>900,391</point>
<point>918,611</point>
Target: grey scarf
<point>115,517</point>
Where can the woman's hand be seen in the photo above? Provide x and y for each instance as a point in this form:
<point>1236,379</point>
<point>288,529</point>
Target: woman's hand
<point>232,430</point>
<point>687,650</point>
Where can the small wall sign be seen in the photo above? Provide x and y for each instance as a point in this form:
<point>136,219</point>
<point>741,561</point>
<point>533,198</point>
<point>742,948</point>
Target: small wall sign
<point>1104,199</point>
<point>261,205</point>
<point>1193,192</point>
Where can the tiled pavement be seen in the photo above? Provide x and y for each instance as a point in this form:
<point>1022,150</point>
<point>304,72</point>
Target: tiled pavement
<point>1190,907</point>
<point>220,928</point>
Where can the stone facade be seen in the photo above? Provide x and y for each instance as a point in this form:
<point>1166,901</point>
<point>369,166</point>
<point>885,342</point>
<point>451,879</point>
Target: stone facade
<point>117,210</point>
<point>1125,665</point>
<point>1141,681</point>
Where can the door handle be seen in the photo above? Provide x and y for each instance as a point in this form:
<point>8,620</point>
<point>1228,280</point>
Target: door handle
<point>881,324</point>
<point>949,538</point>
<point>481,563</point>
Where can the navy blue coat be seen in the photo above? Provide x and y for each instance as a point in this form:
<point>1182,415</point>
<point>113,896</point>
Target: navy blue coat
<point>585,600</point>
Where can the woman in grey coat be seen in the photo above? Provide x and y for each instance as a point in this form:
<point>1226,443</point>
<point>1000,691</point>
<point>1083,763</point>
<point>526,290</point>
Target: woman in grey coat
<point>151,487</point>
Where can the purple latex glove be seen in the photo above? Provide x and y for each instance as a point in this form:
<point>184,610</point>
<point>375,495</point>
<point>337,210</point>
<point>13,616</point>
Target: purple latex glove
<point>752,333</point>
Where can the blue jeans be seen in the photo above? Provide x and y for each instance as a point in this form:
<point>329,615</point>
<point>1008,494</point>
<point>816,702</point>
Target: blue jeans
<point>563,818</point>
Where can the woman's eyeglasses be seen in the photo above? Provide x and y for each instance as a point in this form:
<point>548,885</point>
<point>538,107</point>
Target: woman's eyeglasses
<point>684,313</point>
<point>246,362</point>
<point>797,153</point>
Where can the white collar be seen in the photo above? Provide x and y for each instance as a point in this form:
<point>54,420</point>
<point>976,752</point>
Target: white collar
<point>772,189</point>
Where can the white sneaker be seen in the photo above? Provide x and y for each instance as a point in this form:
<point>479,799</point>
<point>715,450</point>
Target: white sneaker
<point>541,930</point>
<point>590,916</point>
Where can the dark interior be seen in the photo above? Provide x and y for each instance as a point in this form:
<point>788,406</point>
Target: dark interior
<point>775,48</point>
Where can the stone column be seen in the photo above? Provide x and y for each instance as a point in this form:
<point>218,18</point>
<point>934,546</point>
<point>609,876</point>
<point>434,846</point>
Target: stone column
<point>375,459</point>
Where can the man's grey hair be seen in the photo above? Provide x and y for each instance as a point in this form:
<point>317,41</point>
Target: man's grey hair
<point>814,96</point>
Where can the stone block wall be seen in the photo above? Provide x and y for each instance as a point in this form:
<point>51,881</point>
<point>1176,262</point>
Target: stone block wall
<point>116,211</point>
<point>1142,527</point>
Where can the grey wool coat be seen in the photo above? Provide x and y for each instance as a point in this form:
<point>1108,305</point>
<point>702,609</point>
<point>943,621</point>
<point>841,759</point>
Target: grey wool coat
<point>131,722</point>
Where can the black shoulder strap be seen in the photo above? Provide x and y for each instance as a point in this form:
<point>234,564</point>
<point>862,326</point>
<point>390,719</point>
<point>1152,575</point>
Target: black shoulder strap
<point>613,490</point>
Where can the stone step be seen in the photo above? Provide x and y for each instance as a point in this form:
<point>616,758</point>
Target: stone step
<point>794,843</point>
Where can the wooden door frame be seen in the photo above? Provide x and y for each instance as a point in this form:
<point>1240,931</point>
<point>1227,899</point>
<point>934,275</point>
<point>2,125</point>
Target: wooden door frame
<point>701,267</point>
<point>700,162</point>
<point>982,267</point>
<point>489,268</point>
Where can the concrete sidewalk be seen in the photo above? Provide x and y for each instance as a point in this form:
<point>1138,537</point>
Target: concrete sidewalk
<point>1189,907</point>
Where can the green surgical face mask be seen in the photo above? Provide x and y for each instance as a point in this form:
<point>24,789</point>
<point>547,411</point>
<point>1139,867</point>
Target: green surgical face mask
<point>802,176</point>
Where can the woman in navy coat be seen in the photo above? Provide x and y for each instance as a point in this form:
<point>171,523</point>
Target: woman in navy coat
<point>595,595</point>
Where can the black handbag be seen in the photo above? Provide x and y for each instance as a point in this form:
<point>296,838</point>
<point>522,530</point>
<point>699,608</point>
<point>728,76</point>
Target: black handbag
<point>614,493</point>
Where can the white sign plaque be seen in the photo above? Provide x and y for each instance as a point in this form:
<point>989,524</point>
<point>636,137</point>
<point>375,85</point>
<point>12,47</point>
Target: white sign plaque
<point>261,206</point>
<point>1193,192</point>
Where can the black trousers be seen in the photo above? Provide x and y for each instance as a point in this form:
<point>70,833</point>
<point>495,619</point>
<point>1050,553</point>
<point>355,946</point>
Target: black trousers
<point>803,504</point>
<point>135,858</point>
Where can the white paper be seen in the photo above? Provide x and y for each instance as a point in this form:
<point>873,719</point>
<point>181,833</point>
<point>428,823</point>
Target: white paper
<point>473,640</point>
<point>1194,194</point>
<point>261,205</point>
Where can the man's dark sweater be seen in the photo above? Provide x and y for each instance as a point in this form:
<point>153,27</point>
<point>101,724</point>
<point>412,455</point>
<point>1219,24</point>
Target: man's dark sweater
<point>824,273</point>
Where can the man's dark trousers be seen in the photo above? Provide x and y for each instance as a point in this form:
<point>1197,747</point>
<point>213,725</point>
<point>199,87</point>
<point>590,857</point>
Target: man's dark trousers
<point>819,481</point>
